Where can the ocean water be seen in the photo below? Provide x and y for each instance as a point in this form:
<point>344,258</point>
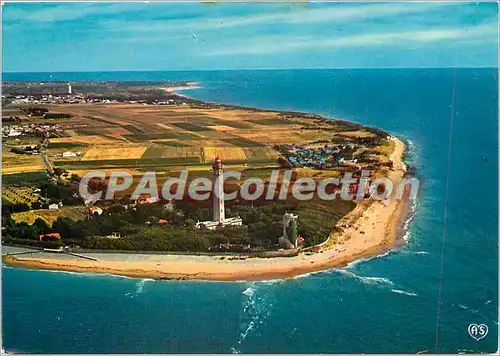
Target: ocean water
<point>387,304</point>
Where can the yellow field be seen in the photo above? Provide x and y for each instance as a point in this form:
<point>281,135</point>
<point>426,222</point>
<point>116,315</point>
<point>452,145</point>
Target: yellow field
<point>21,169</point>
<point>223,128</point>
<point>91,140</point>
<point>13,163</point>
<point>102,153</point>
<point>71,212</point>
<point>82,172</point>
<point>227,153</point>
<point>356,134</point>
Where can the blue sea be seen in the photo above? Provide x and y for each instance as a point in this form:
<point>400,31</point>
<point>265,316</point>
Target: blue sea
<point>387,304</point>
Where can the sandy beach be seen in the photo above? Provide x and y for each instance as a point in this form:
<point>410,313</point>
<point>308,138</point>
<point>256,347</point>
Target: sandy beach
<point>370,229</point>
<point>172,90</point>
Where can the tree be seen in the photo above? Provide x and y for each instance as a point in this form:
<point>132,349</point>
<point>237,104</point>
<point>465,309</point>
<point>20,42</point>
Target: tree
<point>292,231</point>
<point>36,205</point>
<point>41,226</point>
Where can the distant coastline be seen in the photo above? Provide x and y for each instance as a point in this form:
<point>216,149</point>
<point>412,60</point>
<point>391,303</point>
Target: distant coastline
<point>370,229</point>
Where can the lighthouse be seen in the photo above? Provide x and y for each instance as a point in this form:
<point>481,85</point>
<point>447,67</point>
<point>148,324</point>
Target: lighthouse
<point>219,218</point>
<point>219,214</point>
<point>69,89</point>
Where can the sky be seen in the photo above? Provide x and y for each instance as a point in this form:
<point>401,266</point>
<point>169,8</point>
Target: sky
<point>58,37</point>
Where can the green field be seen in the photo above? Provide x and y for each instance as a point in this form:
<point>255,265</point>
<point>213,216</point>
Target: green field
<point>238,141</point>
<point>268,122</point>
<point>170,143</point>
<point>165,135</point>
<point>25,179</point>
<point>58,145</point>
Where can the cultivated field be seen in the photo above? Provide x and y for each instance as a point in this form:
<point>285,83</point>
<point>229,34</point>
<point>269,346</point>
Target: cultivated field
<point>19,195</point>
<point>167,139</point>
<point>14,163</point>
<point>71,212</point>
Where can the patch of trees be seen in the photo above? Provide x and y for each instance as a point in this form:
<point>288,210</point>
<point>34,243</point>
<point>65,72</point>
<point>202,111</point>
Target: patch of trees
<point>67,194</point>
<point>151,227</point>
<point>35,111</point>
<point>27,150</point>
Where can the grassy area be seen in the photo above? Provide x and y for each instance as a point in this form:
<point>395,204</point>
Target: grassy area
<point>26,179</point>
<point>71,212</point>
<point>271,122</point>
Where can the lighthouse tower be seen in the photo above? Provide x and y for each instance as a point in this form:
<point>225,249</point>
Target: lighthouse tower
<point>69,89</point>
<point>219,214</point>
<point>218,192</point>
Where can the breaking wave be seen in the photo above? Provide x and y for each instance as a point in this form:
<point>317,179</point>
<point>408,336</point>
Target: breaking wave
<point>139,287</point>
<point>366,280</point>
<point>249,292</point>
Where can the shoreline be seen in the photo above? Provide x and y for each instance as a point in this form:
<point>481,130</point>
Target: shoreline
<point>372,229</point>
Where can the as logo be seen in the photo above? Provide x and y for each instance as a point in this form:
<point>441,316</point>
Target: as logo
<point>477,332</point>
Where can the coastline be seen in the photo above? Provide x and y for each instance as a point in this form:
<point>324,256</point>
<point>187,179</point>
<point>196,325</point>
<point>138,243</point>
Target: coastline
<point>373,232</point>
<point>369,230</point>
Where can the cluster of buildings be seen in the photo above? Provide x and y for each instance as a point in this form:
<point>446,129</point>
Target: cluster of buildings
<point>318,157</point>
<point>12,131</point>
<point>26,150</point>
<point>81,99</point>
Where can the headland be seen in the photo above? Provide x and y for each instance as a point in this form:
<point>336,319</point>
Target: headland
<point>252,141</point>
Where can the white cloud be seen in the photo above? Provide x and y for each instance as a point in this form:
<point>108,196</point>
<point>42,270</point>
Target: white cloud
<point>304,15</point>
<point>262,46</point>
<point>64,12</point>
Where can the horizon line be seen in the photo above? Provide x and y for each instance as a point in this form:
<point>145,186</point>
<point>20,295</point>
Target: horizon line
<point>247,69</point>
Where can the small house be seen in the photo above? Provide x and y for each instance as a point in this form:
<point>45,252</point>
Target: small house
<point>69,154</point>
<point>95,211</point>
<point>51,236</point>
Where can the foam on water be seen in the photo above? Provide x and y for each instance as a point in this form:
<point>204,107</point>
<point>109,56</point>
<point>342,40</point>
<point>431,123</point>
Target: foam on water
<point>365,279</point>
<point>255,311</point>
<point>249,291</point>
<point>355,263</point>
<point>399,291</point>
<point>139,287</point>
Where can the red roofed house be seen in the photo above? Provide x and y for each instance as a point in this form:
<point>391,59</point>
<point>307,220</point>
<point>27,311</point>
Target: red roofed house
<point>54,235</point>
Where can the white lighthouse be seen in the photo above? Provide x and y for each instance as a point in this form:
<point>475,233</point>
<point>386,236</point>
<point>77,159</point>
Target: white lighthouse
<point>219,213</point>
<point>218,202</point>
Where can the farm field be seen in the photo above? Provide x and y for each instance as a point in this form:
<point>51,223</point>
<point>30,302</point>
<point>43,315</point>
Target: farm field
<point>14,163</point>
<point>19,195</point>
<point>170,138</point>
<point>71,212</point>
